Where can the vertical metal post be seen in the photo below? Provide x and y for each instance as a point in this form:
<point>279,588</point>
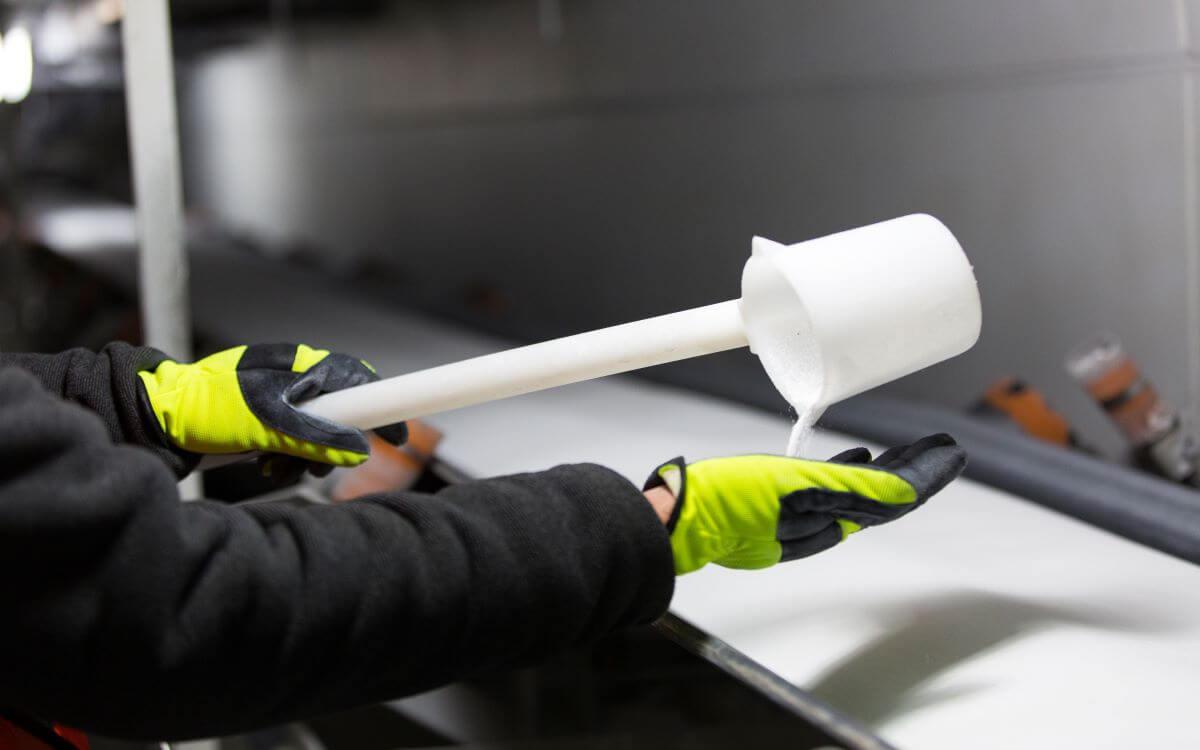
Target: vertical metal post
<point>1191,195</point>
<point>157,186</point>
<point>154,148</point>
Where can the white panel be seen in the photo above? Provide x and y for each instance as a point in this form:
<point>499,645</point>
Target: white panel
<point>431,59</point>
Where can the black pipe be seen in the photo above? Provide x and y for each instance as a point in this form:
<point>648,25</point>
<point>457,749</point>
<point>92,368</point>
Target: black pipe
<point>1130,503</point>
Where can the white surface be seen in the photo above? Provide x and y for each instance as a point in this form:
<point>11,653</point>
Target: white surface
<point>981,621</point>
<point>858,309</point>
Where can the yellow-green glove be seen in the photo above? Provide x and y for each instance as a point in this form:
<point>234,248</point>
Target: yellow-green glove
<point>243,399</point>
<point>755,511</point>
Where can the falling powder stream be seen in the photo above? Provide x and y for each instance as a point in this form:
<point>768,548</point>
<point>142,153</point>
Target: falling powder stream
<point>801,431</point>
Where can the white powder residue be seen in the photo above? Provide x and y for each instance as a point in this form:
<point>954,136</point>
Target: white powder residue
<point>793,360</point>
<point>796,371</point>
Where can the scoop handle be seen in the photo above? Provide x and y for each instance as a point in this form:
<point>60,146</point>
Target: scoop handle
<point>572,359</point>
<point>606,351</point>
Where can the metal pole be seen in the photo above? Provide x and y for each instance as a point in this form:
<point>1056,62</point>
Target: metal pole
<point>158,191</point>
<point>157,186</point>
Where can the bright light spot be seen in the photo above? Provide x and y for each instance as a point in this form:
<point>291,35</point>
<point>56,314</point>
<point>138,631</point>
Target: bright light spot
<point>16,65</point>
<point>57,37</point>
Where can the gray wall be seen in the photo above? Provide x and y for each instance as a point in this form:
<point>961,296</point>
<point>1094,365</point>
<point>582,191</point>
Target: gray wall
<point>616,165</point>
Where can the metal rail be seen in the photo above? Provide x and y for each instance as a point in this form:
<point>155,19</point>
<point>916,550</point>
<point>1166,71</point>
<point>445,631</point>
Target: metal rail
<point>1132,504</point>
<point>729,660</point>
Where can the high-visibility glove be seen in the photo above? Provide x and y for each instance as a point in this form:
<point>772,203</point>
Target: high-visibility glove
<point>244,399</point>
<point>755,511</point>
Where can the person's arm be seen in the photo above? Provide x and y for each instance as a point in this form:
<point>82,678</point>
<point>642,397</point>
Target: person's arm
<point>131,614</point>
<point>239,400</point>
<point>106,384</point>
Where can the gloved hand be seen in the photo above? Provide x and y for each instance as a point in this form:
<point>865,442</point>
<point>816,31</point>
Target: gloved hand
<point>755,511</point>
<point>243,399</point>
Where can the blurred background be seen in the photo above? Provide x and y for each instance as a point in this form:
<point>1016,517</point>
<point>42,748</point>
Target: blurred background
<point>542,167</point>
<point>525,169</point>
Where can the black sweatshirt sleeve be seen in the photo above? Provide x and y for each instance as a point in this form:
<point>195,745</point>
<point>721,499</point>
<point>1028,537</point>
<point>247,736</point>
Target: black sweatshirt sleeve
<point>129,613</point>
<point>106,383</point>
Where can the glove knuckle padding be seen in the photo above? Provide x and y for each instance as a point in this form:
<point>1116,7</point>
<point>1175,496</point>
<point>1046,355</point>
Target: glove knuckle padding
<point>269,394</point>
<point>278,356</point>
<point>334,373</point>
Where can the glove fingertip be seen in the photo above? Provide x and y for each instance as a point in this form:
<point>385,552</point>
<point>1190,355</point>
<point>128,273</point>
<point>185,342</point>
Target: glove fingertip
<point>933,469</point>
<point>904,454</point>
<point>936,440</point>
<point>857,455</point>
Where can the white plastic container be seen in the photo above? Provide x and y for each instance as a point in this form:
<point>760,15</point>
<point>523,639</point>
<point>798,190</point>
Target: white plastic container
<point>840,314</point>
<point>845,313</point>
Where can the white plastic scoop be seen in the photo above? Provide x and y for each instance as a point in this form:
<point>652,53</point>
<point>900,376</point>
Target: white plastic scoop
<point>835,315</point>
